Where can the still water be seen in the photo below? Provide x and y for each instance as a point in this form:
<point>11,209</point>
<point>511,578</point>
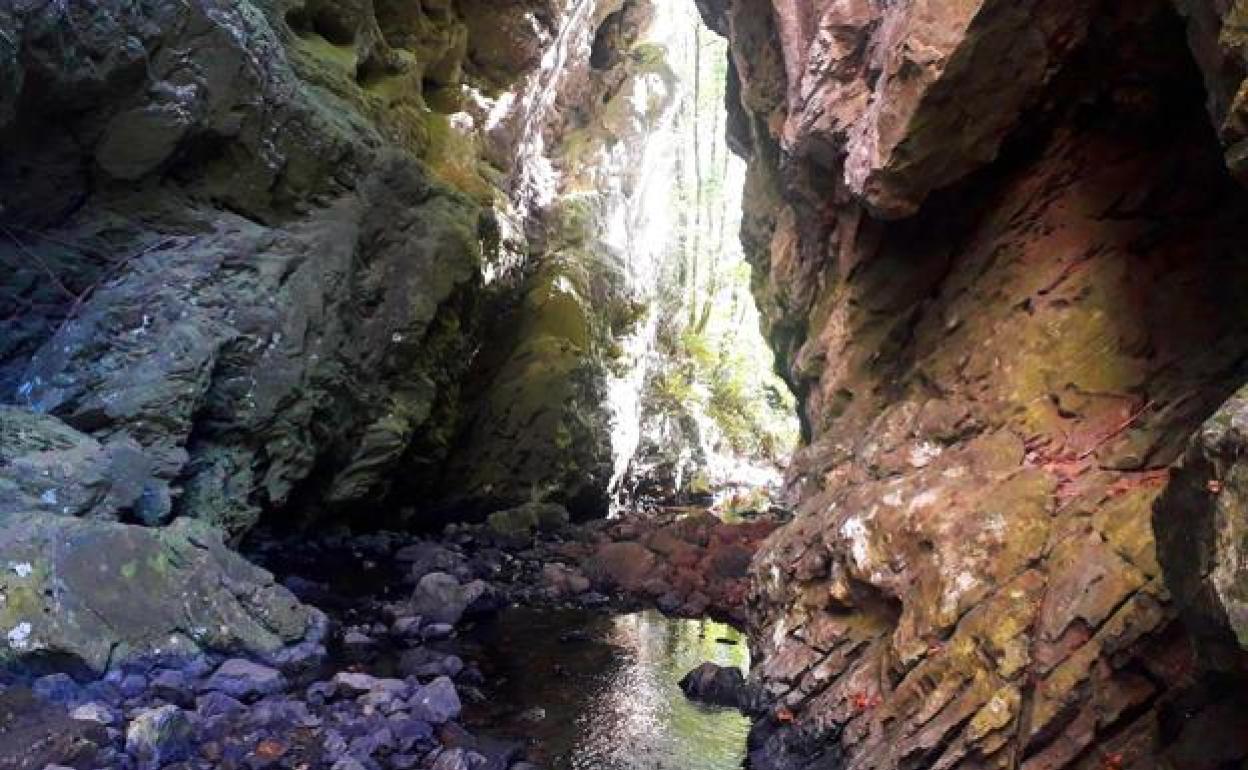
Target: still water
<point>599,692</point>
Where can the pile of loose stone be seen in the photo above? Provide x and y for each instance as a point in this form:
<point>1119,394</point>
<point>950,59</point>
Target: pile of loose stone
<point>383,689</point>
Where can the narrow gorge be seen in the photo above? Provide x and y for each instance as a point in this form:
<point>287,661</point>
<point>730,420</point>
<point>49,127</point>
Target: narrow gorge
<point>621,384</point>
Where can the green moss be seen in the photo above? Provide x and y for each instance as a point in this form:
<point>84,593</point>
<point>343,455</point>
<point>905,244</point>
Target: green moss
<point>340,57</point>
<point>454,158</point>
<point>556,308</point>
<point>529,518</point>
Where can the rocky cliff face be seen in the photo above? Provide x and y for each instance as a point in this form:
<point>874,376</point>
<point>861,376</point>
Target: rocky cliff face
<point>262,241</point>
<point>999,248</point>
<point>294,257</point>
<point>299,259</point>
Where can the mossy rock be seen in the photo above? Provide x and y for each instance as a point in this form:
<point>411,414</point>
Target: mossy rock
<point>529,518</point>
<point>98,594</point>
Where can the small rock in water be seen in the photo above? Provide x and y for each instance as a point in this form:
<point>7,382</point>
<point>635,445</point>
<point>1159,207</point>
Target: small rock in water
<point>300,658</point>
<point>319,693</point>
<point>409,732</point>
<point>160,735</point>
<point>212,704</point>
<point>406,627</point>
<point>440,598</point>
<point>133,685</point>
<point>424,662</point>
<point>436,631</point>
<point>593,599</point>
<point>171,685</point>
<point>358,646</point>
<point>354,683</point>
<point>714,684</point>
<point>535,714</point>
<point>456,759</point>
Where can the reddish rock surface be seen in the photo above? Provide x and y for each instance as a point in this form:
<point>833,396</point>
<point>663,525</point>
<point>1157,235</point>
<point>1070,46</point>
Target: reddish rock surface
<point>690,564</point>
<point>1002,260</point>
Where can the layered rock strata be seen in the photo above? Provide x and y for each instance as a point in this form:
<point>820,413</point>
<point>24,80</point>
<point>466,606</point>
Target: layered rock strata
<point>1000,255</point>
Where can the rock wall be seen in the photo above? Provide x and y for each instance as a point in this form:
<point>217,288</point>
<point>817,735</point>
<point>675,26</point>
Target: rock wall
<point>1001,257</point>
<point>264,239</point>
<point>556,392</point>
<point>299,259</point>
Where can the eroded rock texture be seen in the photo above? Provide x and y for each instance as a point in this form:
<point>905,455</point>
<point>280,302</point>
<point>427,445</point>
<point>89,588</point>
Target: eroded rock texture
<point>263,237</point>
<point>303,259</point>
<point>542,423</point>
<point>1002,260</point>
<point>221,237</point>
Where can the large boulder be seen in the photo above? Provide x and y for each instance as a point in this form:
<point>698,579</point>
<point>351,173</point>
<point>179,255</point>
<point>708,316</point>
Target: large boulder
<point>1201,523</point>
<point>625,565</point>
<point>98,594</point>
<point>525,520</point>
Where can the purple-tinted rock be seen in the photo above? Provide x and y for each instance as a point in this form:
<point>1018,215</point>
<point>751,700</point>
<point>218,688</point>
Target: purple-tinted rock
<point>410,732</point>
<point>58,688</point>
<point>94,711</point>
<point>132,685</point>
<point>435,631</point>
<point>102,691</point>
<point>424,662</point>
<point>212,704</point>
<point>436,702</point>
<point>173,686</point>
<point>245,680</point>
<point>319,693</point>
<point>160,735</point>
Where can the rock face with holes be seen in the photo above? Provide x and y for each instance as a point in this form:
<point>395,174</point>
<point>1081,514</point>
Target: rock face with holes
<point>1000,254</point>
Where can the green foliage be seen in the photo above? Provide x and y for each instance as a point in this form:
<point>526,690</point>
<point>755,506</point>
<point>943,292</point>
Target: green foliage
<point>715,365</point>
<point>730,385</point>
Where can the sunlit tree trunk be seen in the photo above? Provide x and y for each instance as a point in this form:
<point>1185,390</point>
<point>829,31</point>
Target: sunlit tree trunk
<point>695,239</point>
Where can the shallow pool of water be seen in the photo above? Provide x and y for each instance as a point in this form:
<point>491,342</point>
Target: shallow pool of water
<point>599,692</point>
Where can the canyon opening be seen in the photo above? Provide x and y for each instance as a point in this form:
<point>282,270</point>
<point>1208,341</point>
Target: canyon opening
<point>621,384</point>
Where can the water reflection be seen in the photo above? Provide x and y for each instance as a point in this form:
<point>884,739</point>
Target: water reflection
<point>609,701</point>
